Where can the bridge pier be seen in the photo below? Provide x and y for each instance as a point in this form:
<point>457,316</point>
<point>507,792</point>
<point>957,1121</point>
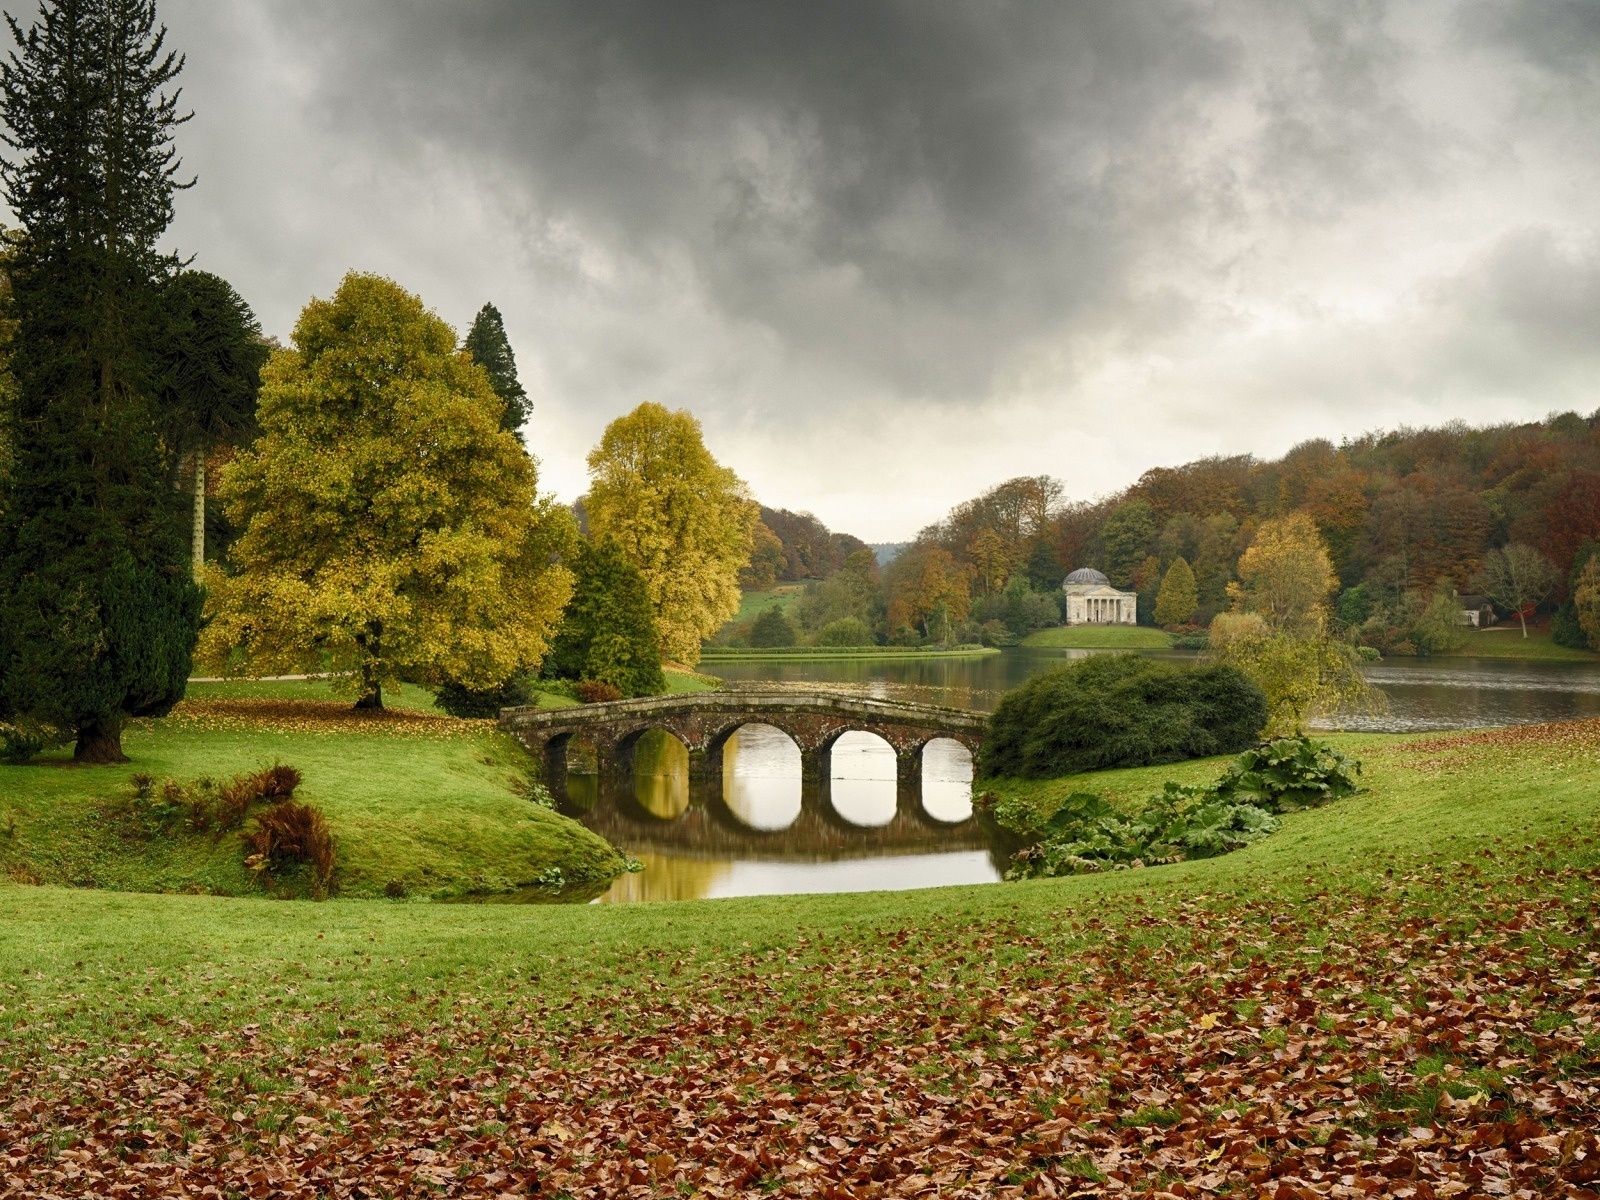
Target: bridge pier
<point>816,766</point>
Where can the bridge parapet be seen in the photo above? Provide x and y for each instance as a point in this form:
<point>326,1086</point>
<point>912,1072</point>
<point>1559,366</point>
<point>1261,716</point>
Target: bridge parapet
<point>703,721</point>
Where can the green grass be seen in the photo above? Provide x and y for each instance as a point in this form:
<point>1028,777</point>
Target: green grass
<point>433,804</point>
<point>1460,886</point>
<point>682,682</point>
<point>833,653</point>
<point>1099,637</point>
<point>1510,644</point>
<point>753,604</point>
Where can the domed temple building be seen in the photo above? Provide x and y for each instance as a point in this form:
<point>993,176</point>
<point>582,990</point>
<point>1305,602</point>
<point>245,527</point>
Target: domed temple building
<point>1091,600</point>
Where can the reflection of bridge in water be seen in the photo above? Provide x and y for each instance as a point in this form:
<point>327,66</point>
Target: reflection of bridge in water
<point>649,774</point>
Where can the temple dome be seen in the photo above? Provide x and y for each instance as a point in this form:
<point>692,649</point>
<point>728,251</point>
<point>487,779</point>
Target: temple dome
<point>1087,575</point>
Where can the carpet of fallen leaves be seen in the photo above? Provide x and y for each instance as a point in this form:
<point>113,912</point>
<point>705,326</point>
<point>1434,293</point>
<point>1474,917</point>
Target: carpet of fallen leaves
<point>1425,1030</point>
<point>321,717</point>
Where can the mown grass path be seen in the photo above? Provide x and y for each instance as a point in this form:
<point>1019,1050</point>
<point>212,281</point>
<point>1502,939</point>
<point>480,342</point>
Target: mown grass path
<point>1394,996</point>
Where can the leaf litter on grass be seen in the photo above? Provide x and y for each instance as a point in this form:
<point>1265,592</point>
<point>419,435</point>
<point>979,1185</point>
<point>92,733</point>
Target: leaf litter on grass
<point>1432,1035</point>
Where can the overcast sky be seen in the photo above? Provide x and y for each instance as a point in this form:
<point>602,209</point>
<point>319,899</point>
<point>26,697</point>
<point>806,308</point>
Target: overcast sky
<point>893,253</point>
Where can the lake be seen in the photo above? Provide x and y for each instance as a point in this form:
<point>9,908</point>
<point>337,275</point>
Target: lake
<point>767,831</point>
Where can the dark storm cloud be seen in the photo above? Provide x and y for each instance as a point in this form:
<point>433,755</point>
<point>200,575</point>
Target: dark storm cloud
<point>909,187</point>
<point>983,239</point>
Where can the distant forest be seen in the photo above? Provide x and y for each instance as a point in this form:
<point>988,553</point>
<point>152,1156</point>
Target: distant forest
<point>1405,514</point>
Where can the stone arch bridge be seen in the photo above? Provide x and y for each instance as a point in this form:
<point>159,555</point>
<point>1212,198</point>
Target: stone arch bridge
<point>704,721</point>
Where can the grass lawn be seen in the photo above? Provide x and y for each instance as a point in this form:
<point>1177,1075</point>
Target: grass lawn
<point>1100,637</point>
<point>1509,643</point>
<point>430,804</point>
<point>1399,990</point>
<point>680,682</point>
<point>753,604</point>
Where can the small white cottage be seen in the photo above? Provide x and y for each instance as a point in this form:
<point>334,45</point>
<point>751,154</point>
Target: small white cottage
<point>1091,600</point>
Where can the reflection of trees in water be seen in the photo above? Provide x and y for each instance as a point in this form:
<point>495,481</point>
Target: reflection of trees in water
<point>668,877</point>
<point>661,775</point>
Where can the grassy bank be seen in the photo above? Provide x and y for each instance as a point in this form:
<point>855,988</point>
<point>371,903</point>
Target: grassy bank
<point>753,604</point>
<point>1393,988</point>
<point>1509,643</point>
<point>417,802</point>
<point>1099,637</point>
<point>715,654</point>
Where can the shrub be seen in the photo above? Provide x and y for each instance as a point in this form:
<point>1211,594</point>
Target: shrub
<point>597,691</point>
<point>847,631</point>
<point>290,834</point>
<point>461,701</point>
<point>1121,711</point>
<point>1290,774</point>
<point>772,628</point>
<point>1086,834</point>
<point>162,806</point>
<point>21,741</point>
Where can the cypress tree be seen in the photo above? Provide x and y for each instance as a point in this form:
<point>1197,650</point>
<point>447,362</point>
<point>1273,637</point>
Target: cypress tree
<point>490,348</point>
<point>98,613</point>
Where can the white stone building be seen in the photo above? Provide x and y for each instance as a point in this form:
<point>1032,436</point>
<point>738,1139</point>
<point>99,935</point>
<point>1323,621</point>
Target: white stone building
<point>1091,600</point>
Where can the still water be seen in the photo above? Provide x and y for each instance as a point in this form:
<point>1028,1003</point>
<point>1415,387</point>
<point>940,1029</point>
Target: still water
<point>766,831</point>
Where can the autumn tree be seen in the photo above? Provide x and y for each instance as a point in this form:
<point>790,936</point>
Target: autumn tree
<point>1586,601</point>
<point>391,528</point>
<point>1304,673</point>
<point>680,517</point>
<point>210,356</point>
<point>490,348</point>
<point>1516,577</point>
<point>767,560</point>
<point>1126,537</point>
<point>608,630</point>
<point>928,591</point>
<point>1285,575</point>
<point>1178,598</point>
<point>98,611</point>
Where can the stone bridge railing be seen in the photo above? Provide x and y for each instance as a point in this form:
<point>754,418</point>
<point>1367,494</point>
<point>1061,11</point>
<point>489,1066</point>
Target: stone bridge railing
<point>704,721</point>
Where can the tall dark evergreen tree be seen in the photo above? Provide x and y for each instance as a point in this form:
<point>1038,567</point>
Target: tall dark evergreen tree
<point>210,357</point>
<point>98,613</point>
<point>608,632</point>
<point>491,349</point>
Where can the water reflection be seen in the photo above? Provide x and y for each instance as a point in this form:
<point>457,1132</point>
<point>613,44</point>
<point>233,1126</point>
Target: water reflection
<point>761,782</point>
<point>863,784</point>
<point>766,829</point>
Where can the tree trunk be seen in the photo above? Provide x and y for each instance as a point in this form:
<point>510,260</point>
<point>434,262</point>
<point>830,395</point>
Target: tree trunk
<point>199,537</point>
<point>1523,619</point>
<point>373,698</point>
<point>100,742</point>
<point>371,686</point>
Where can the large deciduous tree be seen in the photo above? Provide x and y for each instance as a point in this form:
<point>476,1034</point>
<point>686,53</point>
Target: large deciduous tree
<point>608,632</point>
<point>1517,577</point>
<point>1286,575</point>
<point>98,612</point>
<point>210,357</point>
<point>681,518</point>
<point>391,528</point>
<point>491,349</point>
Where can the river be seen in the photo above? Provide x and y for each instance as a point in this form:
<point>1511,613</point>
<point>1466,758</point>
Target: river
<point>768,832</point>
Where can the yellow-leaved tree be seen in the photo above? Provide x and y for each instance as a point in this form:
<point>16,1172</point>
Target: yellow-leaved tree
<point>392,529</point>
<point>681,518</point>
<point>1278,632</point>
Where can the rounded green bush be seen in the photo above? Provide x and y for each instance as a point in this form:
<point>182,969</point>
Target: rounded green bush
<point>1121,710</point>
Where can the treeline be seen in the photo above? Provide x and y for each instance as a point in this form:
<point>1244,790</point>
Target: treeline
<point>788,547</point>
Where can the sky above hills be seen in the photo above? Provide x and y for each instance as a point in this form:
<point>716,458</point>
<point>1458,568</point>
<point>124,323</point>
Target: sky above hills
<point>892,253</point>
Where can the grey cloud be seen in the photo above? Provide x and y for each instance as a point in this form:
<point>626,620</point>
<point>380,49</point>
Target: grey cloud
<point>1160,229</point>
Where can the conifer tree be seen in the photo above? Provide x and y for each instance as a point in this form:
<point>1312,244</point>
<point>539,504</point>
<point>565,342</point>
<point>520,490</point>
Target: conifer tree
<point>490,348</point>
<point>211,354</point>
<point>98,614</point>
<point>1179,597</point>
<point>608,632</point>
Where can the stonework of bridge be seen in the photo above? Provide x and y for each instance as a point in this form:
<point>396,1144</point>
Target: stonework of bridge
<point>704,721</point>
